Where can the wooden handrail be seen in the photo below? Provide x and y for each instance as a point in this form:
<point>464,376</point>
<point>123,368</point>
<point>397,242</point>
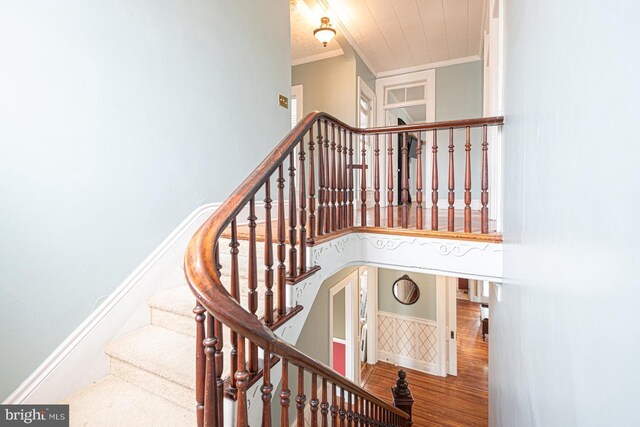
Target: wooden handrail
<point>202,269</point>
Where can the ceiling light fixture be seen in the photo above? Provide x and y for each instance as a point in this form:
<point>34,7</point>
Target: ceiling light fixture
<point>324,33</point>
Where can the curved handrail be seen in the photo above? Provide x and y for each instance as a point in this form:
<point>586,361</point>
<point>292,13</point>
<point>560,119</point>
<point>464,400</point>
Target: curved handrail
<point>200,263</point>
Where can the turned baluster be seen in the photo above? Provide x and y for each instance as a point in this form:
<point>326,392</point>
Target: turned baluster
<point>235,294</point>
<point>342,412</point>
<point>467,182</point>
<point>242,382</point>
<point>451,213</point>
<point>268,255</point>
<point>312,188</point>
<point>324,405</point>
<point>376,181</point>
<point>356,412</point>
<point>405,181</point>
<point>201,363</point>
<point>390,179</point>
<point>267,390</point>
<point>285,394</point>
<point>484,196</point>
<point>349,410</point>
<point>327,180</point>
<point>219,369</point>
<point>419,224</point>
<point>314,403</point>
<point>333,177</point>
<point>350,215</point>
<point>293,269</point>
<point>345,181</point>
<point>363,184</point>
<point>253,281</point>
<point>339,182</point>
<point>282,250</point>
<point>210,389</point>
<point>321,182</point>
<point>301,397</point>
<point>302,197</point>
<point>434,182</point>
<point>334,406</point>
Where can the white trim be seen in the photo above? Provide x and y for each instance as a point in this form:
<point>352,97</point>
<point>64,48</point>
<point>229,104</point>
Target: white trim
<point>298,92</point>
<point>67,368</point>
<point>452,343</point>
<point>409,318</point>
<point>339,341</point>
<point>364,89</point>
<point>350,322</point>
<point>317,57</point>
<point>441,321</point>
<point>406,362</point>
<point>430,66</point>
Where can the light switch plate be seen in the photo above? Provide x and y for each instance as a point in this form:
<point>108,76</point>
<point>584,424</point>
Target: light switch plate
<point>283,101</point>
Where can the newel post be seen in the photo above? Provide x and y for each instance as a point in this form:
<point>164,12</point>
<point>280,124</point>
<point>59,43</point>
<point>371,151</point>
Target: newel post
<point>402,397</point>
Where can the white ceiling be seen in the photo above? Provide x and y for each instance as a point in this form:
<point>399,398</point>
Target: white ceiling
<point>396,34</point>
<point>304,46</point>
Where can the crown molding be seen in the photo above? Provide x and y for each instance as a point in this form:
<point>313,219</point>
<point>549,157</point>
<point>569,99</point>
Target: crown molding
<point>317,57</point>
<point>429,66</point>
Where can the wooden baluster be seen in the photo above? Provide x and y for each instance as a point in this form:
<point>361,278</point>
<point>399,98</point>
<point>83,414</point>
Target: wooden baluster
<point>345,182</point>
<point>339,182</point>
<point>356,412</point>
<point>201,364</point>
<point>282,250</point>
<point>312,187</point>
<point>210,389</point>
<point>324,405</point>
<point>343,412</point>
<point>451,213</point>
<point>419,224</point>
<point>434,182</point>
<point>327,180</point>
<point>349,410</point>
<point>351,172</point>
<point>390,178</point>
<point>268,255</point>
<point>367,412</point>
<point>334,406</point>
<point>293,268</point>
<point>321,182</point>
<point>242,382</point>
<point>285,394</point>
<point>333,177</point>
<point>467,182</point>
<point>235,294</point>
<point>219,371</point>
<point>484,196</point>
<point>302,197</point>
<point>253,281</point>
<point>405,181</point>
<point>363,185</point>
<point>267,390</point>
<point>314,403</point>
<point>301,397</point>
<point>376,181</point>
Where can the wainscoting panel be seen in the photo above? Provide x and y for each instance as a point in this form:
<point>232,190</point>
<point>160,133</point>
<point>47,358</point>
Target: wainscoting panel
<point>408,341</point>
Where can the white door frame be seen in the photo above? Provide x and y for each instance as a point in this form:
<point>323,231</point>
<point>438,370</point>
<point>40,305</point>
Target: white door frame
<point>352,357</point>
<point>297,91</point>
<point>372,314</point>
<point>452,326</point>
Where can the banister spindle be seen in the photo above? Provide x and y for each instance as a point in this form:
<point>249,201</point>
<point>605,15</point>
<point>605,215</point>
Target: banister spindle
<point>242,382</point>
<point>293,268</point>
<point>339,182</point>
<point>332,178</point>
<point>253,281</point>
<point>324,405</point>
<point>356,411</point>
<point>201,363</point>
<point>342,412</point>
<point>376,181</point>
<point>301,398</point>
<point>219,371</point>
<point>345,181</point>
<point>268,255</point>
<point>350,214</point>
<point>484,197</point>
<point>312,187</point>
<point>314,403</point>
<point>434,182</point>
<point>363,184</point>
<point>321,182</point>
<point>451,213</point>
<point>405,181</point>
<point>267,390</point>
<point>282,250</point>
<point>210,390</point>
<point>419,224</point>
<point>285,395</point>
<point>235,294</point>
<point>327,180</point>
<point>334,406</point>
<point>390,175</point>
<point>467,182</point>
<point>349,410</point>
<point>303,210</point>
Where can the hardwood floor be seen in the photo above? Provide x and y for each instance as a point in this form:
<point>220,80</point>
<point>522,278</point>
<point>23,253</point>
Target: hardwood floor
<point>448,401</point>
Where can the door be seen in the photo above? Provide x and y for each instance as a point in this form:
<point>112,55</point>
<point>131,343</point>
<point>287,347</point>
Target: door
<point>343,321</point>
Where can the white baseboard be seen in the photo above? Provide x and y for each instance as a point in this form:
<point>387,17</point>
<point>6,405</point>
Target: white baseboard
<point>405,362</point>
<point>80,359</point>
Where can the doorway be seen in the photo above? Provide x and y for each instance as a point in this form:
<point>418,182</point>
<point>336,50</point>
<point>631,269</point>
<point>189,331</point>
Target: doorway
<point>343,327</point>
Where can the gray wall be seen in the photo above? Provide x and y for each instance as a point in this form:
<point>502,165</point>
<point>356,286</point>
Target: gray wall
<point>424,308</point>
<point>118,119</point>
<point>565,341</point>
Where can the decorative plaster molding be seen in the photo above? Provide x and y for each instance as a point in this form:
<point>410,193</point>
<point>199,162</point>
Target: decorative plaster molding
<point>383,242</point>
<point>455,249</point>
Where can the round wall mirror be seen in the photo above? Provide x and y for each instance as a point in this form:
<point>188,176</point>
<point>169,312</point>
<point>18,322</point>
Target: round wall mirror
<point>406,290</point>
